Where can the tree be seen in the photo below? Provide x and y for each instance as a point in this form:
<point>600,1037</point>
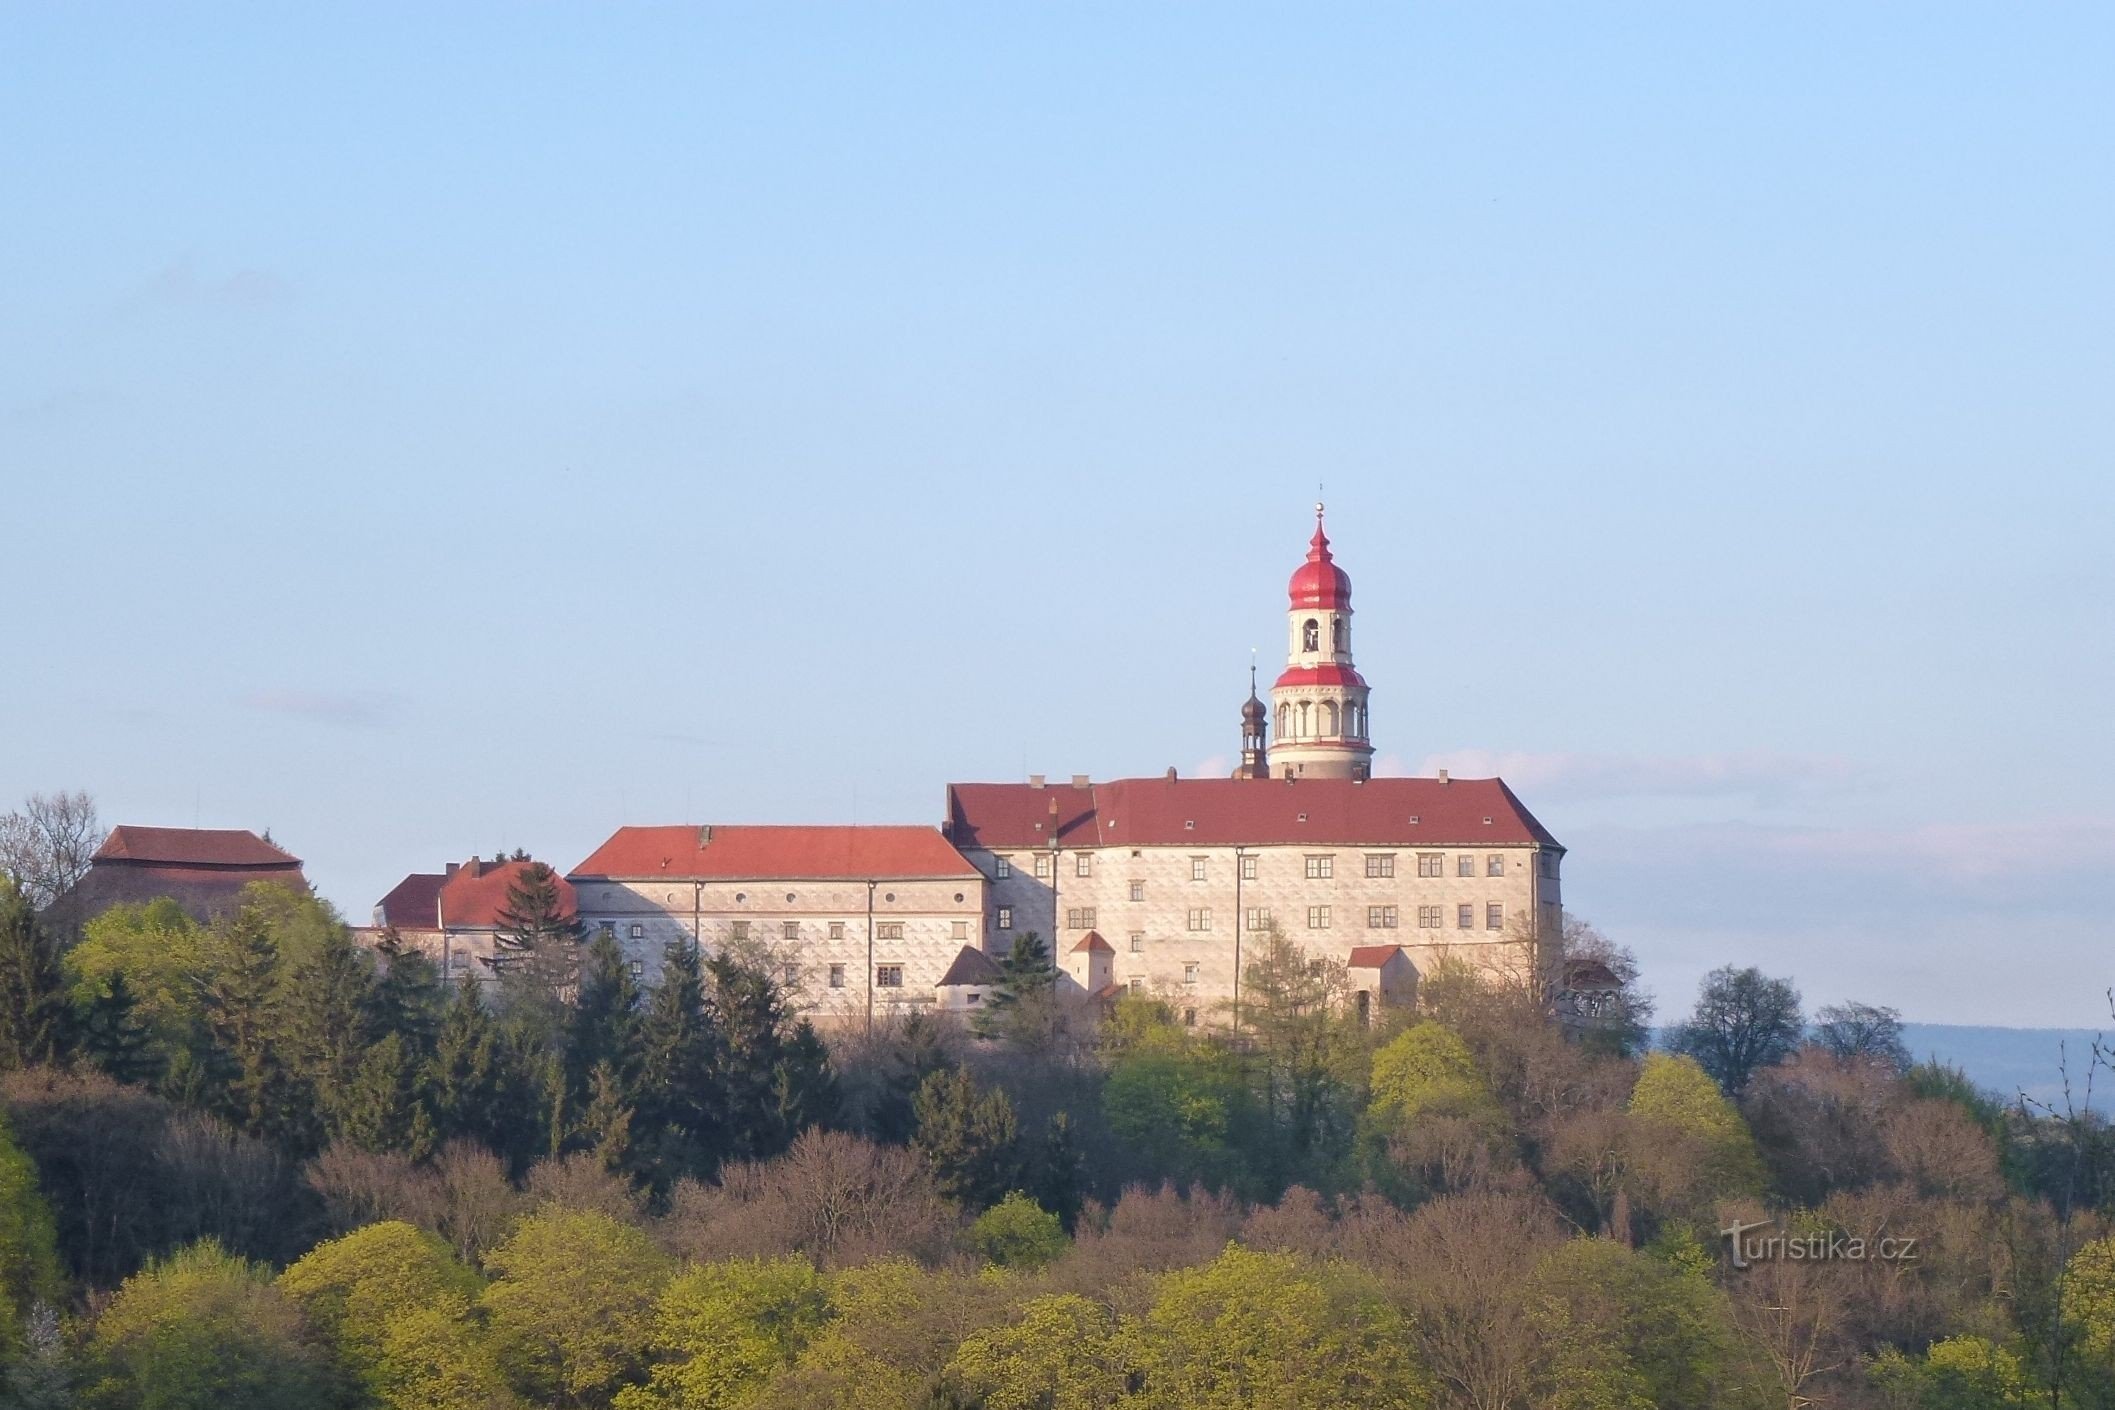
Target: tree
<point>571,1304</point>
<point>1620,1021</point>
<point>163,956</point>
<point>241,1013</point>
<point>680,1119</point>
<point>721,1330</point>
<point>409,998</point>
<point>1265,1330</point>
<point>204,1330</point>
<point>1179,1113</point>
<point>1057,1171</point>
<point>1855,1032</point>
<point>29,1251</point>
<point>47,844</point>
<point>466,1081</point>
<point>1018,1233</point>
<point>603,1027</point>
<point>1292,1011</point>
<point>324,1018</point>
<point>1423,1069</point>
<point>1678,1101</point>
<point>773,1073</point>
<point>969,1136</point>
<point>382,1106</point>
<point>1744,1021</point>
<point>1064,1353</point>
<point>1614,1327</point>
<point>35,1015</point>
<point>537,949</point>
<point>1022,1008</point>
<point>113,1036</point>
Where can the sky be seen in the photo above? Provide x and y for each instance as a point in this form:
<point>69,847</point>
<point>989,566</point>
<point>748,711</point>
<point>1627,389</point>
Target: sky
<point>433,429</point>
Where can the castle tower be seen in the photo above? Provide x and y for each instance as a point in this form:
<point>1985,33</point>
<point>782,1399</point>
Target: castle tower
<point>1255,725</point>
<point>1320,701</point>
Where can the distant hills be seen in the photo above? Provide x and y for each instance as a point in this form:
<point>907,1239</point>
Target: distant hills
<point>2009,1061</point>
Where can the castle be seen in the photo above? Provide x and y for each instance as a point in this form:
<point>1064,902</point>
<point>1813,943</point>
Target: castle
<point>1164,886</point>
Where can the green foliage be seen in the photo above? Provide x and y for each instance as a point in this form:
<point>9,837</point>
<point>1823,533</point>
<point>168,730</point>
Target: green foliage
<point>1018,1233</point>
<point>159,952</point>
<point>1676,1095</point>
<point>720,1331</point>
<point>969,1136</point>
<point>36,1019</point>
<point>1022,1008</point>
<point>773,1076</point>
<point>2089,1302</point>
<point>571,1304</point>
<point>1744,1021</point>
<point>1426,1068</point>
<point>1262,1331</point>
<point>1958,1373</point>
<point>679,1127</point>
<point>29,1257</point>
<point>1616,1328</point>
<point>1178,1111</point>
<point>113,1036</point>
<point>204,1330</point>
<point>1062,1353</point>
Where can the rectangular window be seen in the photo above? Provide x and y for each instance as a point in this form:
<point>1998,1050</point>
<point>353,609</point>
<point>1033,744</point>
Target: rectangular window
<point>609,928</point>
<point>1321,868</point>
<point>638,931</point>
<point>888,976</point>
<point>888,930</point>
<point>837,930</point>
<point>1083,864</point>
<point>1138,941</point>
<point>1257,918</point>
<point>959,930</point>
<point>1494,865</point>
<point>1428,917</point>
<point>1465,916</point>
<point>1318,917</point>
<point>741,930</point>
<point>1248,868</point>
<point>790,930</point>
<point>1042,866</point>
<point>1381,866</point>
<point>1200,918</point>
<point>1189,974</point>
<point>1138,891</point>
<point>974,998</point>
<point>1380,917</point>
<point>1006,917</point>
<point>1189,1018</point>
<point>837,976</point>
<point>791,974</point>
<point>1138,986</point>
<point>1494,916</point>
<point>1079,918</point>
<point>1465,865</point>
<point>1001,868</point>
<point>1431,864</point>
<point>637,967</point>
<point>1197,871</point>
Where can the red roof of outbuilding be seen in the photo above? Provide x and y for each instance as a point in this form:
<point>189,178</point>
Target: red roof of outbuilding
<point>764,853</point>
<point>470,896</point>
<point>1373,956</point>
<point>194,847</point>
<point>1226,812</point>
<point>1092,941</point>
<point>413,903</point>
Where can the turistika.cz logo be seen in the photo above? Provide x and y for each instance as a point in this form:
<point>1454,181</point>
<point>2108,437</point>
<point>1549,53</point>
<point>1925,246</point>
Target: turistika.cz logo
<point>1749,1246</point>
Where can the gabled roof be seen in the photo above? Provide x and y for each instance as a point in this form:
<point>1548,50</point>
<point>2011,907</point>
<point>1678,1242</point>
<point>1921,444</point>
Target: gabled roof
<point>972,967</point>
<point>1091,942</point>
<point>768,853</point>
<point>193,846</point>
<point>1373,956</point>
<point>471,896</point>
<point>1225,812</point>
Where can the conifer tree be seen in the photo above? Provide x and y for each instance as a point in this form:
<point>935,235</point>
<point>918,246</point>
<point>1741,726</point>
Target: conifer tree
<point>324,1014</point>
<point>970,1138</point>
<point>465,1080</point>
<point>539,951</point>
<point>114,1037</point>
<point>35,1017</point>
<point>1057,1171</point>
<point>603,1028</point>
<point>773,1073</point>
<point>681,1116</point>
<point>1022,1007</point>
<point>381,1109</point>
<point>606,1121</point>
<point>409,998</point>
<point>241,1018</point>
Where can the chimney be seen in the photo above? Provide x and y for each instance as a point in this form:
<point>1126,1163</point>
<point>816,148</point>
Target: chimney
<point>1035,780</point>
<point>1171,773</point>
<point>1442,775</point>
<point>1079,780</point>
<point>454,867</point>
<point>704,836</point>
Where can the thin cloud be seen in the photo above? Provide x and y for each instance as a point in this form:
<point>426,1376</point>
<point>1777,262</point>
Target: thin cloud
<point>180,285</point>
<point>1753,774</point>
<point>341,709</point>
<point>1969,853</point>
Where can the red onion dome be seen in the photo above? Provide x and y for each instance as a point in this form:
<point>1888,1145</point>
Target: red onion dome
<point>1319,582</point>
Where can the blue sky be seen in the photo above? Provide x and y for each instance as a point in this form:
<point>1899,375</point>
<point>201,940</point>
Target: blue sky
<point>431,429</point>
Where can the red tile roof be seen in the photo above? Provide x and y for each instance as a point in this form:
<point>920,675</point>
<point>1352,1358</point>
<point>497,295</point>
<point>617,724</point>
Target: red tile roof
<point>1092,941</point>
<point>766,853</point>
<point>467,897</point>
<point>1373,956</point>
<point>193,847</point>
<point>972,967</point>
<point>1327,673</point>
<point>1225,812</point>
<point>413,903</point>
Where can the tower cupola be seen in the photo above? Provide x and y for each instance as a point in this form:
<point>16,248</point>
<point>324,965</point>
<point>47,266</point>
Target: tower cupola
<point>1320,700</point>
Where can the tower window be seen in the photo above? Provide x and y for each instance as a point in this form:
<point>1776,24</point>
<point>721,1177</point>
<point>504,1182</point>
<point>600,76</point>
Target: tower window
<point>1336,631</point>
<point>1311,636</point>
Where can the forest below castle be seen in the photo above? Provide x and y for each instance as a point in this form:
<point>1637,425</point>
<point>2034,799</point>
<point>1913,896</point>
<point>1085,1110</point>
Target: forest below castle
<point>253,1164</point>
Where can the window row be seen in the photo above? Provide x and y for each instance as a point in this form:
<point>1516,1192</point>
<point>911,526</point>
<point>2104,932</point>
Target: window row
<point>1319,866</point>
